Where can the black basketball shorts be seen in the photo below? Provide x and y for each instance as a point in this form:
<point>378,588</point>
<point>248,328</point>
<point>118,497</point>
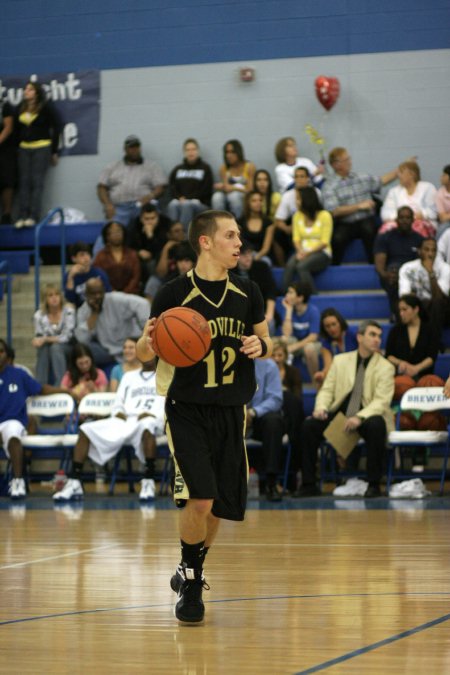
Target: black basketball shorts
<point>207,444</point>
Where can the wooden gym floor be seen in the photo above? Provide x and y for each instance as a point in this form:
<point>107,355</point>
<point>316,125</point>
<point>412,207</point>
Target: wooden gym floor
<point>339,586</point>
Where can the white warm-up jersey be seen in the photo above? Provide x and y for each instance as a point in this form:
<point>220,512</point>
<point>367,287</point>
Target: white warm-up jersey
<point>136,394</point>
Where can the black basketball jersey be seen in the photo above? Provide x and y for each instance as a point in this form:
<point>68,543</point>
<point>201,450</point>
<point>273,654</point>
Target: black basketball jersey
<point>224,376</point>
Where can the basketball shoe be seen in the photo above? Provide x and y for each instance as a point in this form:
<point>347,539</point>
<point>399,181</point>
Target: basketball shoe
<point>72,490</point>
<point>189,584</point>
<point>17,488</point>
<point>147,490</point>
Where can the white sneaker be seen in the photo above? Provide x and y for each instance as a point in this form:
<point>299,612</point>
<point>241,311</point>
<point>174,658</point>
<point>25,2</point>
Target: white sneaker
<point>19,224</point>
<point>17,488</point>
<point>354,487</point>
<point>29,222</point>
<point>72,490</point>
<point>147,492</point>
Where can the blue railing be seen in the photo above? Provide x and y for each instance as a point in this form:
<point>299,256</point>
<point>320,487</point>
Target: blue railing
<point>5,274</point>
<point>37,261</point>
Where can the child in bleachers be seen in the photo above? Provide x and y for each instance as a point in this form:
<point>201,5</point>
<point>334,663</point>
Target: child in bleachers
<point>83,377</point>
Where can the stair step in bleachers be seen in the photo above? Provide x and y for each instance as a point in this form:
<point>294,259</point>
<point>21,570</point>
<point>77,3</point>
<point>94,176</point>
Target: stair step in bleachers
<point>339,278</point>
<point>50,235</point>
<point>19,260</point>
<point>369,305</point>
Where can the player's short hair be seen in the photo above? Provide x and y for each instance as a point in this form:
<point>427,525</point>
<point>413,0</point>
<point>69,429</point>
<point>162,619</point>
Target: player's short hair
<point>205,223</point>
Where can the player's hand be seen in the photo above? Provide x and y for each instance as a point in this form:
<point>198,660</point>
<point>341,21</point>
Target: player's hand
<point>251,346</point>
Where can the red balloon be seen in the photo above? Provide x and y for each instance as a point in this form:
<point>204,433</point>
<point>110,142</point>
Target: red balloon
<point>327,91</point>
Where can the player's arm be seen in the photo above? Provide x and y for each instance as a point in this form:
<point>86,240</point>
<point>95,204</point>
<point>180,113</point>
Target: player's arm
<point>259,345</point>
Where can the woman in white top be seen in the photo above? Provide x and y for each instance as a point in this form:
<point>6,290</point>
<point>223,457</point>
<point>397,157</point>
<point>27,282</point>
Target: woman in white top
<point>418,194</point>
<point>236,180</point>
<point>54,325</point>
<point>312,228</point>
<point>286,153</point>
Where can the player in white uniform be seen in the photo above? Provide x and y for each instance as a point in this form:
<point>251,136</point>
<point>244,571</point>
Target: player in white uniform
<point>137,418</point>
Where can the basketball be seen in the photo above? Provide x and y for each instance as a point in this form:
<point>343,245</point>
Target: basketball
<point>432,421</point>
<point>402,384</point>
<point>430,381</point>
<point>181,337</point>
<point>407,421</point>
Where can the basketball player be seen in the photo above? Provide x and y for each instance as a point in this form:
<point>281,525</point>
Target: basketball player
<point>205,404</point>
<point>137,417</point>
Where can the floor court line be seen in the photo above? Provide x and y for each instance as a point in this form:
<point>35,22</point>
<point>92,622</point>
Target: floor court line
<point>56,557</point>
<point>375,645</point>
<point>326,596</point>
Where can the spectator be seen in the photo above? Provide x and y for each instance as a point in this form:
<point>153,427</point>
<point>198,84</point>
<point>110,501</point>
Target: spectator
<point>38,128</point>
<point>83,377</point>
<point>312,228</point>
<point>8,161</point>
<point>137,417</point>
<point>81,270</point>
<point>127,184</point>
<point>236,179</point>
<point>429,279</point>
<point>191,184</point>
<point>147,235</point>
<point>181,261</point>
<point>283,216</point>
<point>336,337</point>
<point>105,320</point>
<point>286,154</point>
<point>415,193</point>
<point>300,325</point>
<point>442,200</point>
<point>349,198</point>
<point>257,230</point>
<point>359,384</point>
<point>259,272</point>
<point>16,385</point>
<point>413,343</point>
<point>54,325</point>
<point>129,362</point>
<point>392,250</point>
<point>271,199</point>
<point>117,260</point>
<point>264,421</point>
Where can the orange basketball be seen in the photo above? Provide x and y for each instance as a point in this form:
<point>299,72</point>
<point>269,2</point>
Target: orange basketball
<point>430,381</point>
<point>181,337</point>
<point>432,421</point>
<point>402,384</point>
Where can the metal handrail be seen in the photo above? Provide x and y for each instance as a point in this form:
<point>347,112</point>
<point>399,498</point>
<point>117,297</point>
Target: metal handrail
<point>37,262</point>
<point>5,271</point>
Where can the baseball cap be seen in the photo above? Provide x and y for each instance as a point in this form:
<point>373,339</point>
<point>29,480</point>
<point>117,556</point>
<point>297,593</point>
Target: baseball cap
<point>132,140</point>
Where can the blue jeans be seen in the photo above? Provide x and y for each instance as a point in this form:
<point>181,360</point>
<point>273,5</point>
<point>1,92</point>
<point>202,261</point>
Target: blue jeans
<point>304,269</point>
<point>51,362</point>
<point>229,201</point>
<point>184,212</point>
<point>33,165</point>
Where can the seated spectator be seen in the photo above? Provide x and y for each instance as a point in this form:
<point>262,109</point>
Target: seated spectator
<point>415,193</point>
<point>293,412</point>
<point>264,421</point>
<point>392,250</point>
<point>336,337</point>
<point>181,261</point>
<point>129,362</point>
<point>15,387</point>
<point>54,325</point>
<point>236,179</point>
<point>429,279</point>
<point>413,344</point>
<point>8,161</point>
<point>271,199</point>
<point>300,326</point>
<point>257,230</point>
<point>442,200</point>
<point>359,384</point>
<point>81,270</point>
<point>191,184</point>
<point>83,377</point>
<point>117,260</point>
<point>259,272</point>
<point>127,184</point>
<point>147,235</point>
<point>286,154</point>
<point>349,196</point>
<point>104,320</point>
<point>137,418</point>
<point>312,228</point>
<point>282,244</point>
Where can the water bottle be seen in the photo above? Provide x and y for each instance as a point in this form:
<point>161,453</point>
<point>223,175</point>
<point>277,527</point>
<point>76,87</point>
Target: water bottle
<point>253,485</point>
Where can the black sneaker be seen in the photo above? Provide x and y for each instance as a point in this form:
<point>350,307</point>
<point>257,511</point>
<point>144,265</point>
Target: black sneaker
<point>272,494</point>
<point>190,582</point>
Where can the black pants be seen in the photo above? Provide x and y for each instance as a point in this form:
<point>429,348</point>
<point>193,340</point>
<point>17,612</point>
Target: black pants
<point>372,430</point>
<point>343,233</point>
<point>269,429</point>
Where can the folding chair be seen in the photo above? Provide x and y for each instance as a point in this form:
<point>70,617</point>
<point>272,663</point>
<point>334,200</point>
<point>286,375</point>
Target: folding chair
<point>424,399</point>
<point>329,468</point>
<point>61,437</point>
